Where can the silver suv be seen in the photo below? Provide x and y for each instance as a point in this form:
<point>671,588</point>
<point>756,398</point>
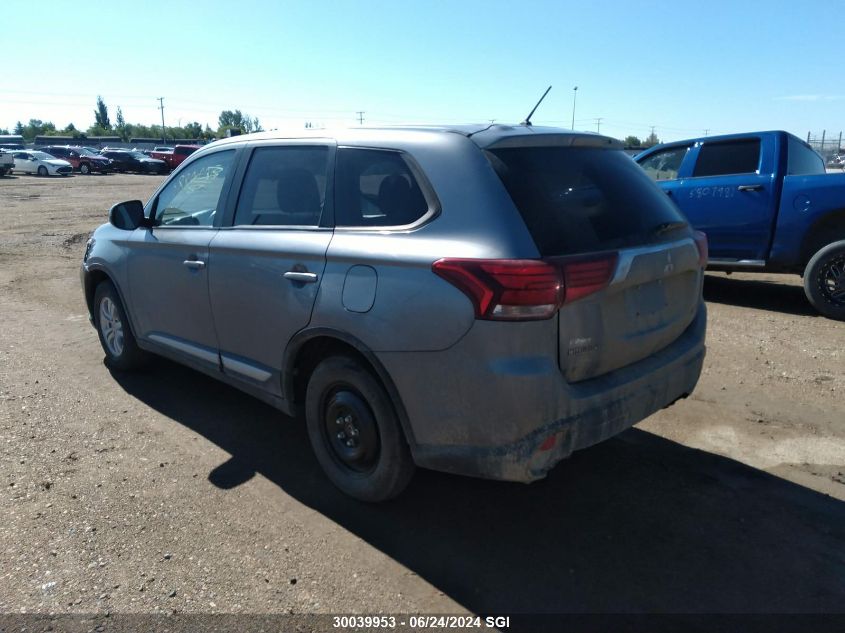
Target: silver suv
<point>478,300</point>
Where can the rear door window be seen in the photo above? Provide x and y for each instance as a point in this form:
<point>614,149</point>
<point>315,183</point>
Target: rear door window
<point>732,157</point>
<point>376,188</point>
<point>580,200</point>
<point>284,186</point>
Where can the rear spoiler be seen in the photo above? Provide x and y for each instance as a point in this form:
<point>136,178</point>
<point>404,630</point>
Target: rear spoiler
<point>551,140</point>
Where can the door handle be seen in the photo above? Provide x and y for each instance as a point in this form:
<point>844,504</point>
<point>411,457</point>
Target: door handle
<point>194,264</point>
<point>750,187</point>
<point>301,277</point>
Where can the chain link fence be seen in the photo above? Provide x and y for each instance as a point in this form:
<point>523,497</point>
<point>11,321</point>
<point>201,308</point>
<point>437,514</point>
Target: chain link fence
<point>828,145</point>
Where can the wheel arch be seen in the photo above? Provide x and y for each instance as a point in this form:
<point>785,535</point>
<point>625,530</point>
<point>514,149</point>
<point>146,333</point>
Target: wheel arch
<point>92,278</point>
<point>825,230</point>
<point>308,347</point>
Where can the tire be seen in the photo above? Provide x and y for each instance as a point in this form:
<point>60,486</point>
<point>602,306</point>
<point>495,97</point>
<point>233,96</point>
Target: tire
<point>116,338</point>
<point>824,281</point>
<point>84,169</point>
<point>355,432</point>
<point>42,171</point>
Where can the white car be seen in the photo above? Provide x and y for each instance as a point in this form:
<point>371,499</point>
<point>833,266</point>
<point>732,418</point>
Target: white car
<point>40,163</point>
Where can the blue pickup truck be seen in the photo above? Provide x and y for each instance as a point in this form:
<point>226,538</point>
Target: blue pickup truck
<point>765,203</point>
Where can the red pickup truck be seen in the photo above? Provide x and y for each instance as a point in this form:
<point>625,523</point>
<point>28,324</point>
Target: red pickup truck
<point>175,158</point>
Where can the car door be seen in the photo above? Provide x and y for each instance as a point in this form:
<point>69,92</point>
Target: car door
<point>730,195</point>
<point>268,262</point>
<point>169,263</point>
<point>117,160</point>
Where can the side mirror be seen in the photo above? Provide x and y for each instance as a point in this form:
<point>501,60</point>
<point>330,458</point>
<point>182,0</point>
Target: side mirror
<point>128,215</point>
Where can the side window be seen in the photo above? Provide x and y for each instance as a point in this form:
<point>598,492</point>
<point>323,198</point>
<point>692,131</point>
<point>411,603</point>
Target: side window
<point>376,188</point>
<point>733,157</point>
<point>284,186</point>
<point>193,197</point>
<point>664,165</point>
<point>803,160</point>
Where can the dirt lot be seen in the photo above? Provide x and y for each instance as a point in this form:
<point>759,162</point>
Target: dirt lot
<point>167,491</point>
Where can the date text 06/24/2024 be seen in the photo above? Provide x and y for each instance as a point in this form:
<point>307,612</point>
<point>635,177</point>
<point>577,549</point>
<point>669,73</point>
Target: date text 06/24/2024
<point>420,622</point>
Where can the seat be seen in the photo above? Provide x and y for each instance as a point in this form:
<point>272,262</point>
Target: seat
<point>298,197</point>
<point>399,202</point>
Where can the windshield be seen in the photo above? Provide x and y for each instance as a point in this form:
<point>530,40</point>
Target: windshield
<point>137,155</point>
<point>87,152</point>
<point>43,156</point>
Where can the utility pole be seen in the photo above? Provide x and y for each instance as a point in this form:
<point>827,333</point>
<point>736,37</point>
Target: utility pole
<point>707,131</point>
<point>360,114</point>
<point>574,96</point>
<point>161,107</point>
<point>598,124</point>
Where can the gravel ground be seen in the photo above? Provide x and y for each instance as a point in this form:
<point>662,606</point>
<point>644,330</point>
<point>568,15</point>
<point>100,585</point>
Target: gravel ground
<point>167,492</point>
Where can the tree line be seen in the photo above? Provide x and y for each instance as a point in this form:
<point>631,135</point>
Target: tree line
<point>234,120</point>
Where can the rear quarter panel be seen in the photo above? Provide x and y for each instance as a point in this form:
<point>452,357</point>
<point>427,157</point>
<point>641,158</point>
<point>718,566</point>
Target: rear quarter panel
<point>805,200</point>
<point>414,309</point>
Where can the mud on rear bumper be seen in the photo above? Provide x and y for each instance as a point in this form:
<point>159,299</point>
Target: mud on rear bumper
<point>670,374</point>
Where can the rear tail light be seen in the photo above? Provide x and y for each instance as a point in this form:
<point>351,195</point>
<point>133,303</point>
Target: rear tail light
<point>703,250</point>
<point>525,289</point>
<point>585,276</point>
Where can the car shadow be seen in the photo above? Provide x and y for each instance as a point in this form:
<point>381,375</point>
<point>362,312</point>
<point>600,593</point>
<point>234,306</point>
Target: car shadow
<point>637,524</point>
<point>757,293</point>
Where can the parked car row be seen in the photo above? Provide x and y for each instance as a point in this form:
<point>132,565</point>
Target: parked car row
<point>66,159</point>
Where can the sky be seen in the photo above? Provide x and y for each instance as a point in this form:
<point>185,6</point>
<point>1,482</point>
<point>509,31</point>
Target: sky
<point>686,68</point>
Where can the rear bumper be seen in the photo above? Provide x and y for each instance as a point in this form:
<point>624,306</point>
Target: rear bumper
<point>503,428</point>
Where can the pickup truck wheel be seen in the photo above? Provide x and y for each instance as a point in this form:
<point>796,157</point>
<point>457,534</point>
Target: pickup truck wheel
<point>355,432</point>
<point>824,281</point>
<point>122,351</point>
<point>84,169</point>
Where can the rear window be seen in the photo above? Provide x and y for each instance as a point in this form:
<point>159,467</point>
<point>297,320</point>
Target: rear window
<point>803,160</point>
<point>722,159</point>
<point>580,200</point>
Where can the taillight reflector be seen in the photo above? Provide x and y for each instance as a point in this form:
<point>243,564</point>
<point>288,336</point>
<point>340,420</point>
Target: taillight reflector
<point>525,289</point>
<point>703,249</point>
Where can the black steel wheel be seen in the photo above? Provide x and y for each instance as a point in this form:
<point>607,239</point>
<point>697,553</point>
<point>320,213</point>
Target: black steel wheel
<point>355,432</point>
